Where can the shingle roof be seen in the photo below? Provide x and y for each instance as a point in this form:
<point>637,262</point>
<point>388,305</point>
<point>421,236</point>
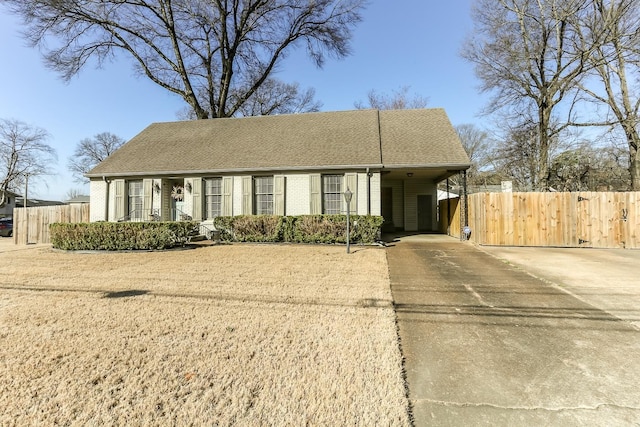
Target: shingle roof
<point>360,138</point>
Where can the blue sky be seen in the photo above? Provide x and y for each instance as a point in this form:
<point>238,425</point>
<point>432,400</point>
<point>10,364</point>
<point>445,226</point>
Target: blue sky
<point>412,43</point>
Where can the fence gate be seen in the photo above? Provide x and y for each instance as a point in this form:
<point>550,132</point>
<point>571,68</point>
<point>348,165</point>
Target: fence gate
<point>608,220</point>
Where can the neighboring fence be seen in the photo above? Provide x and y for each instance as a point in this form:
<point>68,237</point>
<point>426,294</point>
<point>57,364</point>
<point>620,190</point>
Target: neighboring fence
<point>449,214</point>
<point>31,225</point>
<point>584,219</point>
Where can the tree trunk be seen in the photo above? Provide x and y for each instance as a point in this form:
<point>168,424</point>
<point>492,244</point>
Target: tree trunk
<point>634,167</point>
<point>544,117</point>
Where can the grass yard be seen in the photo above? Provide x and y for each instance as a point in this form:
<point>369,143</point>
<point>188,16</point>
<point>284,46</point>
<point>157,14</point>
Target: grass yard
<point>219,335</point>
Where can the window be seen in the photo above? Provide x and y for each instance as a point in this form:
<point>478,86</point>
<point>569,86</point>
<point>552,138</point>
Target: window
<point>332,194</point>
<point>135,200</point>
<point>213,197</point>
<point>263,195</point>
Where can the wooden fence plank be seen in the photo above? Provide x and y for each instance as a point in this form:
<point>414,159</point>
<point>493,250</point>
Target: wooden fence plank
<point>585,219</point>
<point>31,225</point>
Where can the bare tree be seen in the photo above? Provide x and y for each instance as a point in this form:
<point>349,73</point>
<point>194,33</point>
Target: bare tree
<point>398,100</point>
<point>72,193</point>
<point>478,146</point>
<point>276,97</point>
<point>531,55</point>
<point>23,153</point>
<point>589,168</point>
<point>214,54</point>
<point>91,151</point>
<point>614,63</point>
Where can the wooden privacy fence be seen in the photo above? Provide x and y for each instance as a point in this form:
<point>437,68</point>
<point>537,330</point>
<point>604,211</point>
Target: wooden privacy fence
<point>584,219</point>
<point>31,225</point>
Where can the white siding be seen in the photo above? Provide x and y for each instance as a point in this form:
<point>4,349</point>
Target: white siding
<point>397,194</point>
<point>98,194</point>
<point>412,188</point>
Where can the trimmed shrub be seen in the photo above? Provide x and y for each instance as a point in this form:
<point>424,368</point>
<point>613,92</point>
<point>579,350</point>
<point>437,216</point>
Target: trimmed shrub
<point>117,236</point>
<point>257,228</point>
<point>320,229</point>
<point>298,229</point>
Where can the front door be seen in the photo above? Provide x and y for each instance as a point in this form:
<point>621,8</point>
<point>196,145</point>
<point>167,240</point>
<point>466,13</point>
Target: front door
<point>425,212</point>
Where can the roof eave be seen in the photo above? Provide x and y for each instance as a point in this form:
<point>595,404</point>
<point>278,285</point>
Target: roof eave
<point>233,171</point>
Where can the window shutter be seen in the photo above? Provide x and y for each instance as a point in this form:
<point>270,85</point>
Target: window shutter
<point>351,182</point>
<point>247,199</point>
<point>227,196</point>
<point>278,195</point>
<point>315,189</point>
<point>120,197</point>
<point>196,199</point>
<point>147,194</point>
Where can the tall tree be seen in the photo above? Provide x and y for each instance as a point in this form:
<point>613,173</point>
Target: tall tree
<point>91,151</point>
<point>214,54</point>
<point>530,54</point>
<point>398,100</point>
<point>616,66</point>
<point>23,153</point>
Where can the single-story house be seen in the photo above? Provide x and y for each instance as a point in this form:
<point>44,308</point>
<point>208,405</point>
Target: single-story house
<point>9,204</point>
<point>292,164</point>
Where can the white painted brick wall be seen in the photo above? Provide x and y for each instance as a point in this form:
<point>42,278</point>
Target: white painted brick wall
<point>297,197</point>
<point>237,195</point>
<point>376,208</point>
<point>97,194</point>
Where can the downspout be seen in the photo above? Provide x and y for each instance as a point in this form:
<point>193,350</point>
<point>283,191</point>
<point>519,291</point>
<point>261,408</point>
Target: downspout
<point>106,199</point>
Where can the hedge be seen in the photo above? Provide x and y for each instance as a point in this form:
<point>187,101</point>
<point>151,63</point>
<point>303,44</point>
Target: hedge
<point>365,229</point>
<point>117,236</point>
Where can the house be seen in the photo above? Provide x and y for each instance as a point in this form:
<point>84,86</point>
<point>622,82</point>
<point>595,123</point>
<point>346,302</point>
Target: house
<point>6,210</point>
<point>284,165</point>
<point>35,203</point>
<point>78,200</point>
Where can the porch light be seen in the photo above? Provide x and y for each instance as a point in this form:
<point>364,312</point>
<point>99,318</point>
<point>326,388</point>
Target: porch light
<point>347,198</point>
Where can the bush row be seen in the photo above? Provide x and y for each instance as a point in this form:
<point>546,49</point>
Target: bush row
<point>116,236</point>
<point>298,229</point>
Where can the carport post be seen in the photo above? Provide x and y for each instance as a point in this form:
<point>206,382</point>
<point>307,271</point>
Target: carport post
<point>464,211</point>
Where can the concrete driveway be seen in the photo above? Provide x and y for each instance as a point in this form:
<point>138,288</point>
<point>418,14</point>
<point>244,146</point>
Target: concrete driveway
<point>517,336</point>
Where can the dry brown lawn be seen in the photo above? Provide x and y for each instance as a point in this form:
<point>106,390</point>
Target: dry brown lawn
<point>219,335</point>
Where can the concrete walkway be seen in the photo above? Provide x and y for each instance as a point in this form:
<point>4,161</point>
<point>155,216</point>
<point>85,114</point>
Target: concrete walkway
<point>487,343</point>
